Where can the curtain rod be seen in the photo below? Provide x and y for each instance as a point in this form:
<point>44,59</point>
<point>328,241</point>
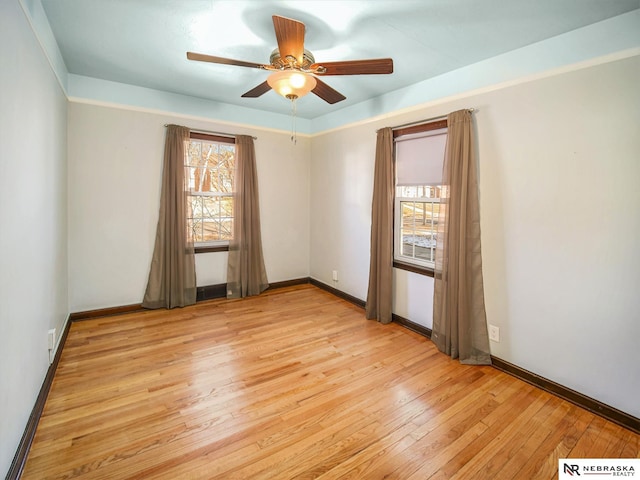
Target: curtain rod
<point>197,130</point>
<point>432,119</point>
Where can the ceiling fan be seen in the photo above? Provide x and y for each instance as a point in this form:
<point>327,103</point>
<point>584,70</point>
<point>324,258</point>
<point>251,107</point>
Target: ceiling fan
<point>295,71</point>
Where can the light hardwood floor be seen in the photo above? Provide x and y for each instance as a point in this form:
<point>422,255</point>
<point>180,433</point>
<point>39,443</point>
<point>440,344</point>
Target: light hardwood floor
<point>294,384</point>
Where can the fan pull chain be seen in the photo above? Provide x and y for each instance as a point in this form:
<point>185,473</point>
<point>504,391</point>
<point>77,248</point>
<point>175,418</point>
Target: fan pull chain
<point>294,114</point>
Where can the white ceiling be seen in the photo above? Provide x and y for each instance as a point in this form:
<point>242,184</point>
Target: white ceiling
<point>143,42</point>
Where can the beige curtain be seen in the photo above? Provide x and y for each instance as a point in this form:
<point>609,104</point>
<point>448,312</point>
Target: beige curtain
<point>381,263</point>
<point>172,277</point>
<point>459,318</point>
<point>246,274</point>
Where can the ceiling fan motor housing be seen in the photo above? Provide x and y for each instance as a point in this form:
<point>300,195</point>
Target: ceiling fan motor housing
<point>290,62</point>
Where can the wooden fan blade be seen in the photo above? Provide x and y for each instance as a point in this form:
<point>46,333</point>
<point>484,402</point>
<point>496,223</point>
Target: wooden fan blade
<point>327,93</point>
<point>257,91</point>
<point>290,36</point>
<point>200,57</point>
<point>357,67</point>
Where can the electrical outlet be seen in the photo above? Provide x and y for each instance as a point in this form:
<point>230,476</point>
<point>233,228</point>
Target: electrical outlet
<point>335,276</point>
<point>51,344</point>
<point>494,333</point>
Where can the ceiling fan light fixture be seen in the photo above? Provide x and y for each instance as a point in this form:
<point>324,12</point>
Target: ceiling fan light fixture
<point>291,84</point>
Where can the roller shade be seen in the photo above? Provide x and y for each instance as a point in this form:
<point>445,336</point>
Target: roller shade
<point>419,158</point>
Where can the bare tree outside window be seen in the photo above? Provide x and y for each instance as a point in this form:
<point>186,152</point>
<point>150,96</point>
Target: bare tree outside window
<point>210,167</point>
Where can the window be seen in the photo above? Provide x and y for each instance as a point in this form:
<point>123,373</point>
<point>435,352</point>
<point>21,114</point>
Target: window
<point>419,155</point>
<point>210,166</point>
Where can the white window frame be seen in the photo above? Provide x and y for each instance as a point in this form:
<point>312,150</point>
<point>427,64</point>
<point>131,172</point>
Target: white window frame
<point>398,255</point>
<point>212,243</point>
<point>397,243</point>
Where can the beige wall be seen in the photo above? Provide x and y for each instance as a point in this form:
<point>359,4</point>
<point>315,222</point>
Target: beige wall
<point>33,222</point>
<point>560,214</point>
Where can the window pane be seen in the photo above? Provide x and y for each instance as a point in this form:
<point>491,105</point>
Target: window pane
<point>225,182</point>
<point>214,180</point>
<point>418,229</point>
<point>195,151</point>
<point>197,179</point>
<point>194,206</point>
<point>205,179</point>
<point>210,207</point>
<point>209,154</point>
<point>407,192</point>
<point>226,229</point>
<point>195,225</point>
<point>407,243</point>
<point>226,206</point>
<point>435,215</point>
<point>211,230</point>
<point>227,156</point>
<point>422,252</point>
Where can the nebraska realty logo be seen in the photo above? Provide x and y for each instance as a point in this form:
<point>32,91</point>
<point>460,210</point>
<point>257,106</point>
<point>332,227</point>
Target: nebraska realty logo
<point>593,468</point>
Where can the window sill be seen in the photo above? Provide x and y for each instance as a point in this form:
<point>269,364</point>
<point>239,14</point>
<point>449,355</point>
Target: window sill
<point>211,249</point>
<point>426,271</point>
